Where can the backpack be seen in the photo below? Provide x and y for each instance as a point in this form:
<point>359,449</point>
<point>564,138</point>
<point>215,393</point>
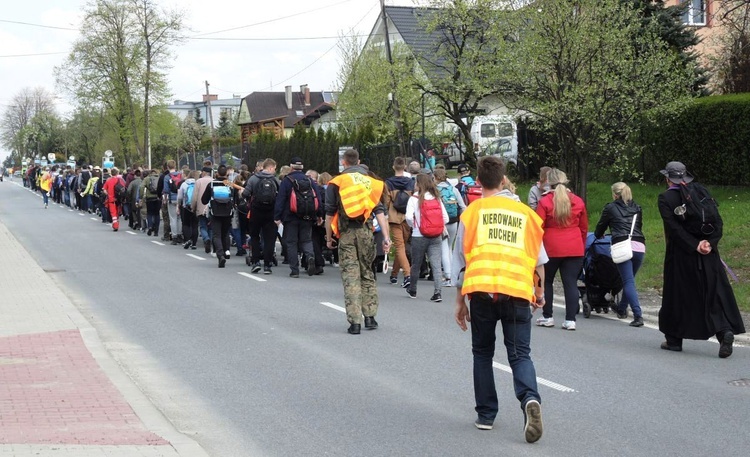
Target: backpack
<point>187,199</point>
<point>473,193</point>
<point>430,218</point>
<point>450,202</point>
<point>175,180</point>
<point>401,200</point>
<point>701,211</point>
<point>264,194</point>
<point>121,192</point>
<point>303,201</point>
<point>221,200</point>
<point>153,184</point>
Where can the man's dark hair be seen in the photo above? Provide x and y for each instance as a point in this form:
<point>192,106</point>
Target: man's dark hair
<point>137,172</point>
<point>222,170</point>
<point>399,164</point>
<point>490,172</point>
<point>351,157</point>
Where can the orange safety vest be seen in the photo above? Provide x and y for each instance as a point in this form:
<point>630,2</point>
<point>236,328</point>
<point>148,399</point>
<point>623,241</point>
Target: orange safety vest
<point>502,239</point>
<point>359,195</point>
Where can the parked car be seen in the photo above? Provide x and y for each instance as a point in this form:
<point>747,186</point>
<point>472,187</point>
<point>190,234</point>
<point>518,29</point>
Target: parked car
<point>503,148</point>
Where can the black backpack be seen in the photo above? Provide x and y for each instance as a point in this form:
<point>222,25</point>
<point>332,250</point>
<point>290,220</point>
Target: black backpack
<point>303,201</point>
<point>121,192</point>
<point>221,204</point>
<point>401,200</point>
<point>153,185</point>
<point>264,194</point>
<point>701,211</point>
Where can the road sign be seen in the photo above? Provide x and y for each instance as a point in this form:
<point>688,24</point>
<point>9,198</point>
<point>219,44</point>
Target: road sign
<point>108,162</point>
<point>108,153</point>
<point>51,156</point>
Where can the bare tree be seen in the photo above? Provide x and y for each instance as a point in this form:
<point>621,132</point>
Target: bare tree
<point>22,108</point>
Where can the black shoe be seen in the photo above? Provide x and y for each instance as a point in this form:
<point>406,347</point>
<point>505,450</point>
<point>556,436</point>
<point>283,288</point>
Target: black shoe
<point>222,261</point>
<point>436,297</point>
<point>294,274</point>
<point>370,323</point>
<point>319,270</point>
<point>175,242</point>
<point>310,265</point>
<point>637,322</point>
<point>193,246</point>
<point>267,270</point>
<point>621,315</point>
<point>412,293</point>
<point>354,329</point>
<point>394,280</point>
<point>148,233</point>
<point>667,347</point>
<point>255,268</point>
<point>725,350</point>
<point>407,282</point>
<point>207,246</point>
<point>187,245</point>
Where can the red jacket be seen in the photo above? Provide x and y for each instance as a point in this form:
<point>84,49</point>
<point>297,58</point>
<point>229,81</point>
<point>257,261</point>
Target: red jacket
<point>109,187</point>
<point>568,241</point>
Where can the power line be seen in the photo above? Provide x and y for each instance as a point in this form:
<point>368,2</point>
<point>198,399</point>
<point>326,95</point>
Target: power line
<point>38,25</point>
<point>277,39</point>
<point>272,20</point>
<point>33,55</point>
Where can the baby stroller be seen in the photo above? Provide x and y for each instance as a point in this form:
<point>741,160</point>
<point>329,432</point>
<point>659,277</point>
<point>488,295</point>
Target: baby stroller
<point>601,279</point>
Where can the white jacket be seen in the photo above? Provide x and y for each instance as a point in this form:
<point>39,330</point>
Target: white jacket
<point>412,212</point>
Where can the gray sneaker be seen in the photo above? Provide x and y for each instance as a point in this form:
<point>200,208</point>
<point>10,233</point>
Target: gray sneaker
<point>256,268</point>
<point>533,428</point>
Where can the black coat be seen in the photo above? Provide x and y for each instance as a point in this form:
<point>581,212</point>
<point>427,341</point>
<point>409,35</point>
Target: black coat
<point>697,300</point>
<point>619,218</point>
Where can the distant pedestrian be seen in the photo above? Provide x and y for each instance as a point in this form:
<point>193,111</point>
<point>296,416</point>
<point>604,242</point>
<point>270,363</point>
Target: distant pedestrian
<point>618,216</point>
<point>260,191</point>
<point>498,264</point>
<point>200,209</point>
<point>185,195</point>
<point>150,193</point>
<point>538,189</point>
<point>112,198</point>
<point>697,299</point>
<point>399,189</point>
<point>220,201</point>
<point>46,186</point>
<point>351,198</point>
<point>565,224</point>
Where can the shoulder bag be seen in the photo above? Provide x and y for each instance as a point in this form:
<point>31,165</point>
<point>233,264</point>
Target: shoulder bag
<point>622,251</point>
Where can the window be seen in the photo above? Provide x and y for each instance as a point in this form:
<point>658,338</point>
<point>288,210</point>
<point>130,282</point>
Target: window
<point>695,13</point>
<point>487,131</point>
<point>505,129</point>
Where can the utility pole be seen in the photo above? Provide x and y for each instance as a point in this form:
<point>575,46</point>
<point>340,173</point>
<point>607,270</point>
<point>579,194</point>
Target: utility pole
<point>396,110</point>
<point>214,144</point>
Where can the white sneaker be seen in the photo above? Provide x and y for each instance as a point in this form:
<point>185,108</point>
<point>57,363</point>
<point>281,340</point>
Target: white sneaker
<point>545,321</point>
<point>447,283</point>
<point>569,325</point>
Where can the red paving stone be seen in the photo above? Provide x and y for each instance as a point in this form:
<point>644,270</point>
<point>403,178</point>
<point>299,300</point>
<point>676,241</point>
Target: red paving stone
<point>52,391</point>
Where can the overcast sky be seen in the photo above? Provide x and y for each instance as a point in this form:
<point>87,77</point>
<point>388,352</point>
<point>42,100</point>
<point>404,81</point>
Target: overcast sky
<point>36,35</point>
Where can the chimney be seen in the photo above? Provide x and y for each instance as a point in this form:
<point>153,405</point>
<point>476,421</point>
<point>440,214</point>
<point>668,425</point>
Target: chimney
<point>307,95</point>
<point>288,97</point>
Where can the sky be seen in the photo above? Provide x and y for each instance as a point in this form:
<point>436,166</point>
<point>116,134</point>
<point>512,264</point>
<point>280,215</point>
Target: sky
<point>36,35</point>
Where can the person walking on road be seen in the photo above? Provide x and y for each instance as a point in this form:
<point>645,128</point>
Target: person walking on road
<point>399,190</point>
<point>351,198</point>
<point>150,193</point>
<point>185,196</point>
<point>566,225</point>
<point>112,197</point>
<point>200,209</point>
<point>45,184</point>
<point>260,191</point>
<point>219,199</point>
<point>697,301</point>
<point>618,217</point>
<point>498,264</point>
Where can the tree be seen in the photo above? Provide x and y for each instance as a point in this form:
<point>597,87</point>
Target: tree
<point>587,70</point>
<point>461,62</point>
<point>198,119</point>
<point>731,61</point>
<point>19,113</point>
<point>228,127</point>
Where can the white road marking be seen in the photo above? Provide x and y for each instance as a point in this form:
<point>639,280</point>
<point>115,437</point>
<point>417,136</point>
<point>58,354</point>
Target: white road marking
<point>253,277</point>
<point>94,218</point>
<point>499,366</point>
<point>70,209</point>
<point>81,214</point>
<point>196,256</point>
<point>332,306</point>
<point>542,381</point>
<point>131,233</point>
<point>156,242</point>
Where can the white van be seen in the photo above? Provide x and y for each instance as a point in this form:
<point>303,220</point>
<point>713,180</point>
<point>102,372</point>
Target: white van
<point>486,131</point>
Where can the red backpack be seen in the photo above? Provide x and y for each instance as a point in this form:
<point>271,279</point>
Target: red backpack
<point>430,218</point>
<point>473,193</point>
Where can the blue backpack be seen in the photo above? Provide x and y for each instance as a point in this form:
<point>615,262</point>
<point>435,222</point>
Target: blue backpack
<point>449,202</point>
<point>187,199</point>
<point>221,204</point>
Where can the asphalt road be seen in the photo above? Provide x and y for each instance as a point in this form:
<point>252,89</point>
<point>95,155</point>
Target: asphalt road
<point>264,366</point>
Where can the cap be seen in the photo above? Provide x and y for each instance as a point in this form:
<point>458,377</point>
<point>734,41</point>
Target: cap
<point>677,173</point>
<point>463,168</point>
<point>207,169</point>
<point>296,162</point>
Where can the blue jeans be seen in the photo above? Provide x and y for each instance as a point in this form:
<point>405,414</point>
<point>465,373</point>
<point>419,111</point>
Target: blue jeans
<point>628,270</point>
<point>203,228</point>
<point>87,202</point>
<point>514,315</point>
<point>45,197</point>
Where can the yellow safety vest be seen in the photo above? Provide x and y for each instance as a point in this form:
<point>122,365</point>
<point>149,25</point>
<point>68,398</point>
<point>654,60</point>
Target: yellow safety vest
<point>502,239</point>
<point>359,194</point>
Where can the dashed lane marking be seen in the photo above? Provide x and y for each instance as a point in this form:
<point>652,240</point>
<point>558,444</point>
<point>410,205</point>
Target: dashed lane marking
<point>156,242</point>
<point>253,277</point>
<point>94,218</point>
<point>196,256</point>
<point>499,366</point>
<point>130,232</point>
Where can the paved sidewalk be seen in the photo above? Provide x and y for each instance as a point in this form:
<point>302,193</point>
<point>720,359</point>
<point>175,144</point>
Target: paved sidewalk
<point>61,393</point>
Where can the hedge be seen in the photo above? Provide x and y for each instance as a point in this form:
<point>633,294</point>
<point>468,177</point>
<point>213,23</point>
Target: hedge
<point>711,136</point>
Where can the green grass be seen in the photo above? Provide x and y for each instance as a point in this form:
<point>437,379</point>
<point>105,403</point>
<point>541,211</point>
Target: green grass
<point>734,204</point>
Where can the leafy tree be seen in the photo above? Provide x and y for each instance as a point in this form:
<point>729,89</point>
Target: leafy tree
<point>586,70</point>
<point>731,61</point>
<point>228,127</point>
<point>18,114</point>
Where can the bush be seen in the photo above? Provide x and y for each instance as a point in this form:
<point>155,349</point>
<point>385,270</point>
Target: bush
<point>710,135</point>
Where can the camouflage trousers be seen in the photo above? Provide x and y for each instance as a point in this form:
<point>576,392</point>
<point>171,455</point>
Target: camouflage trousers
<point>356,254</point>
